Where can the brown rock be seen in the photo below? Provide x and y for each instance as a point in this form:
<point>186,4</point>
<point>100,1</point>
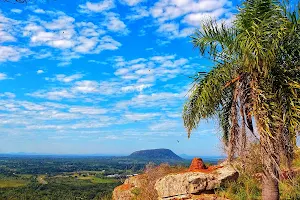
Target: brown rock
<point>124,191</point>
<point>182,185</point>
<point>197,164</point>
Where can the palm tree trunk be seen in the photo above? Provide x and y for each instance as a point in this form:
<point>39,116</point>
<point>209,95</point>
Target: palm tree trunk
<point>270,189</point>
<point>270,160</point>
<point>269,144</point>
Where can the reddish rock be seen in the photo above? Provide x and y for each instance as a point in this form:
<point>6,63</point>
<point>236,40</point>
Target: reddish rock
<point>197,164</point>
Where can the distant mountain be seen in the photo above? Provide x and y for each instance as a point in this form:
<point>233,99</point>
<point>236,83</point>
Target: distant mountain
<point>156,154</point>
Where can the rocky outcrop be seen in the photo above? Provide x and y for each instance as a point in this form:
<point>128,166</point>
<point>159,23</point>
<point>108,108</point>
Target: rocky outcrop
<point>126,191</point>
<point>183,185</point>
<point>192,183</point>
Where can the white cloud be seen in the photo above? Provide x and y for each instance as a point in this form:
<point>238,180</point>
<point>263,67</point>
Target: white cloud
<point>86,86</point>
<point>171,9</point>
<point>16,11</point>
<point>138,12</point>
<point>39,11</point>
<point>107,43</point>
<point>71,37</point>
<point>61,23</point>
<point>96,7</point>
<point>172,30</point>
<point>131,2</point>
<point>113,23</point>
<point>65,63</point>
<point>40,71</point>
<point>6,37</point>
<point>155,100</point>
<point>86,44</point>
<point>3,76</point>
<point>53,95</point>
<point>138,88</point>
<point>164,126</point>
<point>195,19</point>
<point>168,15</point>
<point>67,79</point>
<point>141,116</point>
<point>148,71</point>
<point>13,53</point>
<point>9,95</point>
<point>87,110</point>
<point>8,29</point>
<point>62,44</point>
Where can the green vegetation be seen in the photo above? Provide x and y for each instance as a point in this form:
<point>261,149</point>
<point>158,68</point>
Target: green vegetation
<point>97,180</point>
<point>249,188</point>
<point>246,188</point>
<point>255,82</point>
<point>56,187</point>
<point>248,185</point>
<point>10,183</point>
<point>63,178</point>
<point>83,178</point>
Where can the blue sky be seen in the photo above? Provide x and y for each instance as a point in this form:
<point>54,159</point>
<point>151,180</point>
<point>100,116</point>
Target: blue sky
<point>108,77</point>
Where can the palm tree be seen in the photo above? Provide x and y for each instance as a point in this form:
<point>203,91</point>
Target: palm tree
<point>256,78</point>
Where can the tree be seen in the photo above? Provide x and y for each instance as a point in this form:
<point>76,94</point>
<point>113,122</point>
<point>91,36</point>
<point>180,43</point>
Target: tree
<point>256,78</point>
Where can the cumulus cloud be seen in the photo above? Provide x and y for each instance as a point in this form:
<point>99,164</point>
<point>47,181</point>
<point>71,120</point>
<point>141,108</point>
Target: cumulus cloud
<point>141,116</point>
<point>138,12</point>
<point>40,71</point>
<point>9,95</point>
<point>87,110</point>
<point>16,11</point>
<point>13,53</point>
<point>179,18</point>
<point>138,88</point>
<point>86,86</point>
<point>39,11</point>
<point>147,71</point>
<point>56,94</point>
<point>195,19</point>
<point>69,35</point>
<point>157,100</point>
<point>164,125</point>
<point>101,6</point>
<point>131,2</point>
<point>8,29</point>
<point>3,76</point>
<point>113,23</point>
<point>67,79</point>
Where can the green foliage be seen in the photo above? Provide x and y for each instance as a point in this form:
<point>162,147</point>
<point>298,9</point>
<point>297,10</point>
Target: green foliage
<point>245,188</point>
<point>249,188</point>
<point>257,72</point>
<point>61,188</point>
<point>290,189</point>
<point>9,183</point>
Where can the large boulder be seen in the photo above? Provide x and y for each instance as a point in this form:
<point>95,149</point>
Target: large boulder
<point>183,185</point>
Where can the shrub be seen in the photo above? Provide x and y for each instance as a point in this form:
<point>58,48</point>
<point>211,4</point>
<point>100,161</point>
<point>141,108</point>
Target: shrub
<point>245,188</point>
<point>290,189</point>
<point>152,174</point>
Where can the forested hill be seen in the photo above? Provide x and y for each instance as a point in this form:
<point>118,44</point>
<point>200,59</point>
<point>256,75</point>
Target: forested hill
<point>155,154</point>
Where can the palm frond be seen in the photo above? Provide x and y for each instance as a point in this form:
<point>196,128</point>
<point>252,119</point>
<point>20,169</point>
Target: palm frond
<point>205,97</point>
<point>214,38</point>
